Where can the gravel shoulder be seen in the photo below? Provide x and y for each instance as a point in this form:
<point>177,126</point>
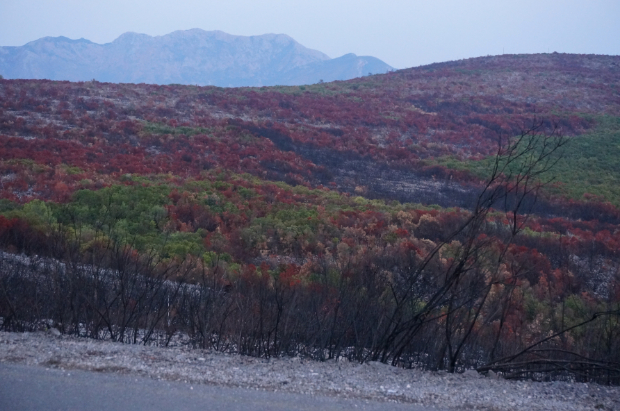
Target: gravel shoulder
<point>342,379</point>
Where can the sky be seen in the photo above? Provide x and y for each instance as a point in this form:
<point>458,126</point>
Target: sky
<point>403,33</point>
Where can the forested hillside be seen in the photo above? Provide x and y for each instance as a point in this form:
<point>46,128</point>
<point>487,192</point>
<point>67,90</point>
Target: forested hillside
<point>452,215</point>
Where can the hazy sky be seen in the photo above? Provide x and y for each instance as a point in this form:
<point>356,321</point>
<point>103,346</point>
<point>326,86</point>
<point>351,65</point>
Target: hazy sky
<point>403,33</point>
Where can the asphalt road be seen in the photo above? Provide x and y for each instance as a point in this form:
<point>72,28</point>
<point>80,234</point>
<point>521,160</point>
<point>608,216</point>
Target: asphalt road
<point>42,389</point>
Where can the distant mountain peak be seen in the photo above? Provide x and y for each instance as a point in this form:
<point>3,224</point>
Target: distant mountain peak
<point>193,56</point>
<point>59,40</point>
<point>131,36</point>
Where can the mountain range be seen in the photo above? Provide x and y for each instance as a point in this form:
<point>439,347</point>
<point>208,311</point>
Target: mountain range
<point>183,57</point>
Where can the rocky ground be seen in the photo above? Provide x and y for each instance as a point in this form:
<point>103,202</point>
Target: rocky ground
<point>343,379</point>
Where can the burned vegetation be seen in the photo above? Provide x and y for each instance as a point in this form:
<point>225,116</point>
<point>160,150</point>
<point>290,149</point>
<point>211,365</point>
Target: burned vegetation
<point>446,217</point>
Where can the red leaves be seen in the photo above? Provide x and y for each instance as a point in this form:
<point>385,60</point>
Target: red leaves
<point>402,233</point>
<point>410,247</point>
<point>290,275</point>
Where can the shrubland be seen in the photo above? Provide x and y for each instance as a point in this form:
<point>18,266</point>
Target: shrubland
<point>449,216</point>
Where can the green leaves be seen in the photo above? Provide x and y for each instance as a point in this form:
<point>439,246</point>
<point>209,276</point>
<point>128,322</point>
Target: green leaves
<point>588,164</point>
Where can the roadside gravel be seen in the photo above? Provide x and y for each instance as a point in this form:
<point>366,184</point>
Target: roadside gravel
<point>374,381</point>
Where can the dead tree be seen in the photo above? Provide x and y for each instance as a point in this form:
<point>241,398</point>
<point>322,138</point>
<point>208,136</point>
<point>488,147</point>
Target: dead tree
<point>457,292</point>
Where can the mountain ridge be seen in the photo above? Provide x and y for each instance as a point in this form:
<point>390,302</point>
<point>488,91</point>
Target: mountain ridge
<point>190,56</point>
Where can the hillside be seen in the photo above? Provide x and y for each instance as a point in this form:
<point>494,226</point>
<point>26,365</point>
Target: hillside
<point>183,57</point>
<point>404,125</point>
<point>345,219</point>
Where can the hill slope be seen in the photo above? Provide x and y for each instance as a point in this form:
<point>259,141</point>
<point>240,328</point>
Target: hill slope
<point>333,220</point>
<point>393,129</point>
<point>182,57</point>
